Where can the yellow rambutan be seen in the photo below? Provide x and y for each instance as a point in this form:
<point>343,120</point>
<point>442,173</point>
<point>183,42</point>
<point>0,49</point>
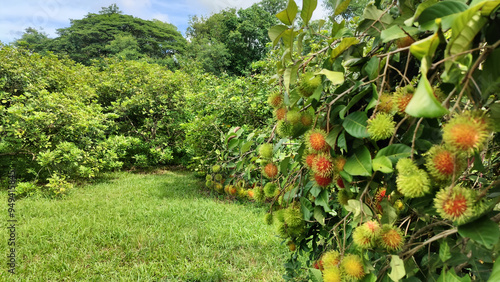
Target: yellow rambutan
<point>381,127</point>
<point>352,267</point>
<point>361,239</point>
<point>330,259</point>
<point>456,203</point>
<point>466,132</point>
<point>332,274</point>
<point>308,159</point>
<point>385,103</point>
<point>316,140</point>
<point>391,238</point>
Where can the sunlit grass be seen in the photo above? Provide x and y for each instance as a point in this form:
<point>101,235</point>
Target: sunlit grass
<point>142,228</point>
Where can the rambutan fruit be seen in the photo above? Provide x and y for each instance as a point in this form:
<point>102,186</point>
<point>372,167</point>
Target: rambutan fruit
<point>219,188</point>
<point>330,259</point>
<point>270,189</point>
<point>316,140</point>
<point>361,239</point>
<point>242,193</point>
<point>258,194</point>
<point>281,229</point>
<point>322,181</point>
<point>275,100</point>
<point>442,163</point>
<point>270,170</point>
<point>218,177</point>
<point>308,84</point>
<point>233,190</point>
<point>332,274</point>
<point>208,177</point>
<point>294,220</point>
<point>391,238</point>
<point>215,168</point>
<point>227,188</point>
<point>456,203</point>
<point>372,228</point>
<point>293,116</point>
<point>280,113</point>
<point>399,206</point>
<point>352,267</point>
<point>250,193</point>
<point>306,119</point>
<point>291,245</point>
<point>241,183</point>
<point>406,166</point>
<point>466,132</point>
<point>266,151</point>
<point>268,218</point>
<point>381,127</point>
<point>402,97</point>
<point>209,183</point>
<point>284,129</point>
<point>323,165</point>
<point>385,103</point>
<point>339,163</point>
<point>308,159</point>
<point>340,183</point>
<point>414,185</point>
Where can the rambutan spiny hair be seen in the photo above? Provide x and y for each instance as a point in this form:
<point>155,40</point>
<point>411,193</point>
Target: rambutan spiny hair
<point>466,132</point>
<point>455,203</point>
<point>316,140</point>
<point>442,163</point>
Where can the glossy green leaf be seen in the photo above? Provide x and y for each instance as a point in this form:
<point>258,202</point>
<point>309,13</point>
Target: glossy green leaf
<point>322,200</point>
<point>424,103</point>
<point>397,268</point>
<point>288,15</point>
<point>246,146</point>
<point>441,9</point>
<point>354,206</point>
<point>382,164</point>
<point>396,32</point>
<point>343,45</point>
<point>495,273</point>
<point>276,32</point>
<point>483,231</point>
<point>464,30</point>
<point>395,152</point>
<point>444,251</point>
<point>359,163</point>
<point>308,7</point>
<point>336,77</point>
<point>306,207</point>
<point>420,8</point>
<point>451,276</point>
<point>339,6</point>
<point>355,124</point>
<point>319,215</point>
<point>425,47</point>
<point>495,116</point>
<point>331,139</point>
<point>316,275</point>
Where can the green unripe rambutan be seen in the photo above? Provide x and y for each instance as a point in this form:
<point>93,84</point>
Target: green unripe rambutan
<point>381,127</point>
<point>330,259</point>
<point>361,240</point>
<point>406,166</point>
<point>306,119</point>
<point>266,151</point>
<point>413,185</point>
<point>391,238</point>
<point>352,267</point>
<point>293,116</point>
<point>215,168</point>
<point>209,183</point>
<point>294,220</point>
<point>258,194</point>
<point>456,204</point>
<point>308,84</point>
<point>242,193</point>
<point>270,189</point>
<point>218,177</point>
<point>385,103</point>
<point>268,218</point>
<point>208,177</point>
<point>275,100</point>
<point>280,215</point>
<point>281,230</point>
<point>284,129</point>
<point>219,188</point>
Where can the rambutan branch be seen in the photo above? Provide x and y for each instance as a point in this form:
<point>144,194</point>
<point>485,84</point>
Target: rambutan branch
<point>415,137</point>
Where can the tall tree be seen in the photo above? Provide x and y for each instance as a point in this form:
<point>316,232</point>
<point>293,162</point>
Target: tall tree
<point>33,40</point>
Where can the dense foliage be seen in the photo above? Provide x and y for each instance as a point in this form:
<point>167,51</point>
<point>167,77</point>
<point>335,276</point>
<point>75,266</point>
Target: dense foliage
<point>382,162</point>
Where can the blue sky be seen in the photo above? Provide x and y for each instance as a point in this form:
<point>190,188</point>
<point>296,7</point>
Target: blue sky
<point>49,15</point>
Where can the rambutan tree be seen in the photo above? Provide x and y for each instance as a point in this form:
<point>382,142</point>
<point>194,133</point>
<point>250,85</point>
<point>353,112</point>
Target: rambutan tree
<point>383,155</point>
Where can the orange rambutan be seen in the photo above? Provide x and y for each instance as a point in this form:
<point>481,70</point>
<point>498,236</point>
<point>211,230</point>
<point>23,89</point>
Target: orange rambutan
<point>456,203</point>
<point>270,170</point>
<point>275,100</point>
<point>316,140</point>
<point>280,113</point>
<point>391,238</point>
<point>352,267</point>
<point>442,163</point>
<point>402,97</point>
<point>322,164</point>
<point>309,159</point>
<point>322,181</point>
<point>466,132</point>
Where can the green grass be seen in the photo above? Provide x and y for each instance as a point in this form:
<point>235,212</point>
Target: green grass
<point>155,227</point>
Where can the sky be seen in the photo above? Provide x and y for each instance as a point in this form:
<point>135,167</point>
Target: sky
<point>49,15</point>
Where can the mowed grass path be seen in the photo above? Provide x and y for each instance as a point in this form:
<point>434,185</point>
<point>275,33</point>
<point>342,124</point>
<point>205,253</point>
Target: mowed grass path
<point>134,227</point>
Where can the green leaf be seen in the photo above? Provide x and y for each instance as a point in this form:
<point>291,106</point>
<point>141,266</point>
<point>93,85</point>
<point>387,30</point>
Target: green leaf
<point>306,207</point>
<point>354,206</point>
<point>389,215</point>
<point>316,275</point>
<point>397,268</point>
<point>288,15</point>
<point>319,215</point>
<point>483,231</point>
<point>495,272</point>
<point>382,164</point>
<point>424,103</point>
<point>336,77</point>
<point>343,45</point>
<point>451,276</point>
<point>355,124</point>
<point>284,165</point>
<point>396,32</point>
<point>441,9</point>
<point>331,139</point>
<point>444,251</point>
<point>276,32</point>
<point>395,152</point>
<point>246,146</point>
<point>360,163</point>
<point>308,7</point>
<point>425,47</point>
<point>372,68</point>
<point>339,6</point>
<point>420,8</point>
<point>322,200</point>
<point>495,115</point>
<point>355,100</point>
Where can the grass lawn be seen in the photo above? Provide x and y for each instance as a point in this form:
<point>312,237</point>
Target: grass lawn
<point>137,227</point>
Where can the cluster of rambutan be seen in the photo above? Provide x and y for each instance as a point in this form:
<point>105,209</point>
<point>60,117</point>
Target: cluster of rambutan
<point>292,122</point>
<point>370,235</point>
<point>290,222</point>
<point>215,179</point>
<point>318,159</point>
<point>411,181</point>
<point>336,268</point>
